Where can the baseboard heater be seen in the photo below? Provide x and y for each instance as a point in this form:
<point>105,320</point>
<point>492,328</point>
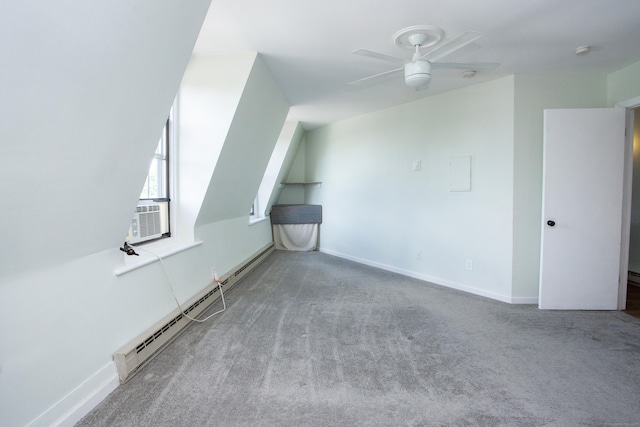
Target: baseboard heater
<point>633,277</point>
<point>133,356</point>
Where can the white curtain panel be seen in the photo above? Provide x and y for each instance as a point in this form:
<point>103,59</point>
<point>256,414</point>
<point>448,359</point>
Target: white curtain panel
<point>296,237</point>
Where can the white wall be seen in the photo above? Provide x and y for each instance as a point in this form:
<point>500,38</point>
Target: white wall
<point>376,210</point>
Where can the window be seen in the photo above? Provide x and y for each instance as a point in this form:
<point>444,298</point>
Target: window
<point>256,212</point>
<point>156,186</point>
<point>151,219</point>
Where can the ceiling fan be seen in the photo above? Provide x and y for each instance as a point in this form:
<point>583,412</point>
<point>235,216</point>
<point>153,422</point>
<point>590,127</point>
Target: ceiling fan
<point>417,70</point>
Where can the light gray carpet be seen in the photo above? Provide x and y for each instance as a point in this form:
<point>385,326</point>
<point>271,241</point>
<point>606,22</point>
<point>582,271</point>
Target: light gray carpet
<point>313,340</point>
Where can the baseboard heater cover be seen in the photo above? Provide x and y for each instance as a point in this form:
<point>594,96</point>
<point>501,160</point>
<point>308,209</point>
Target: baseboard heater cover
<point>135,355</point>
<point>633,277</point>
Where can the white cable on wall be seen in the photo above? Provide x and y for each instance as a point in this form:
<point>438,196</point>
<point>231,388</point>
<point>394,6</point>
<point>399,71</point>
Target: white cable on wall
<point>216,279</point>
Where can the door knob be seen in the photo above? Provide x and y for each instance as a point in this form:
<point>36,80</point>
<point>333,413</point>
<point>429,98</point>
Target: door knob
<point>551,223</point>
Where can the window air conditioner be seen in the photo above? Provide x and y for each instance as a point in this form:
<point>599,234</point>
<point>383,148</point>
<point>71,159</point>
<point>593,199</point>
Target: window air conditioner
<point>145,224</point>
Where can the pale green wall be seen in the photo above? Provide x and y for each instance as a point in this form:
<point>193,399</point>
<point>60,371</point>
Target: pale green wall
<point>247,148</point>
<point>364,164</point>
<point>64,310</point>
<point>227,243</point>
<point>281,163</point>
<point>210,93</point>
<point>295,194</point>
<point>378,211</point>
<point>533,94</point>
<point>624,84</point>
<point>95,152</point>
<point>634,242</point>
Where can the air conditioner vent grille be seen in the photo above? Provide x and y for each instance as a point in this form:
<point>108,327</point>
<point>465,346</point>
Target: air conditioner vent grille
<point>146,223</point>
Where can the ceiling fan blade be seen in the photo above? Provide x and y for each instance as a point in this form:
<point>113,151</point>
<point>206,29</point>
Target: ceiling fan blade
<point>378,55</point>
<point>451,46</point>
<point>466,65</point>
<point>375,76</point>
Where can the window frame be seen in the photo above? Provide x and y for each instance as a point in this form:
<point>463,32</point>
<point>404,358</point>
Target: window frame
<point>164,171</point>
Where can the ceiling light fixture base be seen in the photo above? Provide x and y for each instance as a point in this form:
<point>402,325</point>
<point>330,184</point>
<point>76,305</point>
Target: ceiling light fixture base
<point>422,35</point>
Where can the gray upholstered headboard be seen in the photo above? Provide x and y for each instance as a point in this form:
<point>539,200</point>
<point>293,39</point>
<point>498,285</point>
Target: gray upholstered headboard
<point>296,214</point>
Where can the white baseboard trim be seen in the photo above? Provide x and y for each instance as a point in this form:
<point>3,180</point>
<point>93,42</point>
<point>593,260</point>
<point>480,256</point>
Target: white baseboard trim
<point>81,400</point>
<point>434,280</point>
<point>524,300</point>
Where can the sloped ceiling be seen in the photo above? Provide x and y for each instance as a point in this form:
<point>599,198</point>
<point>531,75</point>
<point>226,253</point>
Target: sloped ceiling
<point>85,92</point>
<point>307,45</point>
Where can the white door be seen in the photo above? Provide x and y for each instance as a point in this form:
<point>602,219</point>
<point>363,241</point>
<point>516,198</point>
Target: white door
<point>583,172</point>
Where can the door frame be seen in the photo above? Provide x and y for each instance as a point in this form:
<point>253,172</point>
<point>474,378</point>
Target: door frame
<point>629,105</point>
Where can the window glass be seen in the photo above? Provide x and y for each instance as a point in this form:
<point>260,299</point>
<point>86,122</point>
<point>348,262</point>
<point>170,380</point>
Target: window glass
<point>151,219</point>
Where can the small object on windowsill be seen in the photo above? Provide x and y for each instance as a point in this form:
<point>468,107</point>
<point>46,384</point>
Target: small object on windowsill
<point>282,184</point>
<point>128,250</point>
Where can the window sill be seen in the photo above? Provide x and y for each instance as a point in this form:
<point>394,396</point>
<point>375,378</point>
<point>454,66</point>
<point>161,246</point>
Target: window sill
<point>162,249</point>
<point>257,220</point>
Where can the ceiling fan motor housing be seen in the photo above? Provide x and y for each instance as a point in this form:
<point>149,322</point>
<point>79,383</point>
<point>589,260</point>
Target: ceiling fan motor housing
<point>417,74</point>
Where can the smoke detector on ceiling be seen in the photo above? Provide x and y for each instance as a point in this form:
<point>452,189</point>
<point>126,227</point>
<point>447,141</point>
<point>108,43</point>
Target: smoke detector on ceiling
<point>467,74</point>
<point>583,50</point>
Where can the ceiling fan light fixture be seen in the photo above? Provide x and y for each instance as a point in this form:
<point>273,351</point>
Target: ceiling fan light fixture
<point>417,70</point>
<point>417,74</point>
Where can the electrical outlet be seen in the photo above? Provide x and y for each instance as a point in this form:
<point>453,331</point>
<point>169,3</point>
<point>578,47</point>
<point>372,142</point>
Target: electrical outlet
<point>469,265</point>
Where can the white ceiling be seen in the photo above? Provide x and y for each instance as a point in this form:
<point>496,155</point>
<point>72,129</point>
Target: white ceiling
<point>307,45</point>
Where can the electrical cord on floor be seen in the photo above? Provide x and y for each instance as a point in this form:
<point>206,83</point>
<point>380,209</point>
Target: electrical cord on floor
<point>216,279</point>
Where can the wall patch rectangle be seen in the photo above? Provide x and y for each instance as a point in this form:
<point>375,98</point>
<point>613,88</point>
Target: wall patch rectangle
<point>460,173</point>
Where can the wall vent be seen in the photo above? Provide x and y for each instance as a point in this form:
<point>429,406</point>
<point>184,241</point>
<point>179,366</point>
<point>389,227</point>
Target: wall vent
<point>132,357</point>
